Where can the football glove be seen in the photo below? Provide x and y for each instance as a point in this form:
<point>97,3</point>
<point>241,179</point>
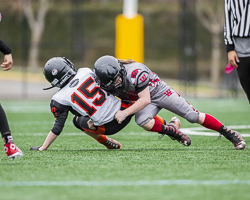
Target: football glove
<point>35,148</point>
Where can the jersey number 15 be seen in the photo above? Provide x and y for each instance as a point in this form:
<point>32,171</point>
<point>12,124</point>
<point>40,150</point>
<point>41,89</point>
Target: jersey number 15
<point>89,95</point>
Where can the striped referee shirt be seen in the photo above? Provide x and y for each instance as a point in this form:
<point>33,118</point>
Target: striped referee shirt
<point>237,21</point>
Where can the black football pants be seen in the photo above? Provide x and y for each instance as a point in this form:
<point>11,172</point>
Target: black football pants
<point>4,126</point>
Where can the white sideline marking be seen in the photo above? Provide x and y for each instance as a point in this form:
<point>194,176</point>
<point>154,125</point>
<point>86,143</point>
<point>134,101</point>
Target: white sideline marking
<point>203,131</point>
<point>189,131</point>
<point>124,183</point>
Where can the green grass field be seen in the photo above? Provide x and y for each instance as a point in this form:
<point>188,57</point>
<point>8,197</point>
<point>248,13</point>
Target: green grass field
<point>77,167</point>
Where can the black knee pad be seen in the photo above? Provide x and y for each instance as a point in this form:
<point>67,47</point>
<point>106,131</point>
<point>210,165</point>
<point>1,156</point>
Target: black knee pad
<point>81,122</point>
<point>192,117</point>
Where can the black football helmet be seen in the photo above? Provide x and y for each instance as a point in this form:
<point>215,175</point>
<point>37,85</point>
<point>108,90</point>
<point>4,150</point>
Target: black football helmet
<point>58,71</point>
<point>107,68</point>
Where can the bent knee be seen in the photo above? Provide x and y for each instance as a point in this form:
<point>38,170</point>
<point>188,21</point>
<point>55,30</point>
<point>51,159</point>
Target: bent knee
<point>147,126</point>
<point>75,121</point>
<point>192,117</point>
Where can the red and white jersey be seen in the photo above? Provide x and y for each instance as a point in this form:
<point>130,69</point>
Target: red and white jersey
<point>138,77</point>
<point>84,95</point>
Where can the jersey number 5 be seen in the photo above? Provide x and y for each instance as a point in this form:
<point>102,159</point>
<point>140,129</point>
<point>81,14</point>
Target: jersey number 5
<point>83,89</point>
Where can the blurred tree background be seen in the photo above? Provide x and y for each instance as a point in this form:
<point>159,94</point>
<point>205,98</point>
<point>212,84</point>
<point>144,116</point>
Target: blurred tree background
<point>183,39</point>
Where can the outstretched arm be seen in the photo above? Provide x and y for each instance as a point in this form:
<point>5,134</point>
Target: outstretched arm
<point>48,141</point>
<point>143,101</point>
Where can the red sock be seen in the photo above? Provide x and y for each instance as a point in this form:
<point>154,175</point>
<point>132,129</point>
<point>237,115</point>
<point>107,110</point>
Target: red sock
<point>211,123</point>
<point>161,120</point>
<point>102,139</point>
<point>157,127</point>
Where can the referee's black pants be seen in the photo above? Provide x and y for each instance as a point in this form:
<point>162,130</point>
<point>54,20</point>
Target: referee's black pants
<point>244,74</point>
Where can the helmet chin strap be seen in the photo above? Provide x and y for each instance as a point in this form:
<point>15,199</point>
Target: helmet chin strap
<point>57,86</point>
<point>48,88</point>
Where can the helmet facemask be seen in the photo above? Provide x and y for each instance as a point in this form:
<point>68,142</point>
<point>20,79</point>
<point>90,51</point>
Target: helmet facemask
<point>110,72</point>
<point>117,81</point>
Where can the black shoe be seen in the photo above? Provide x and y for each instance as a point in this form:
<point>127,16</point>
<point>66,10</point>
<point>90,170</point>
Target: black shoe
<point>112,144</point>
<point>175,134</point>
<point>233,136</point>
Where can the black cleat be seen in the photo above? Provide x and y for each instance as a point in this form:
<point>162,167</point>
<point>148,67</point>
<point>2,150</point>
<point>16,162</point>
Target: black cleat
<point>175,134</point>
<point>112,144</point>
<point>234,137</point>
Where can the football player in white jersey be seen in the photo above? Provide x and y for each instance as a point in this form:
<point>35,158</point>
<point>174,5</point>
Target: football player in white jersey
<point>93,108</point>
<point>134,81</point>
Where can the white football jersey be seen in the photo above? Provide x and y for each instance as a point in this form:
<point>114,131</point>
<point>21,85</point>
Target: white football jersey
<point>84,95</point>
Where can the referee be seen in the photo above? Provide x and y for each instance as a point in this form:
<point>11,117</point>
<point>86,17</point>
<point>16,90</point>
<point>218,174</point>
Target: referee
<point>237,39</point>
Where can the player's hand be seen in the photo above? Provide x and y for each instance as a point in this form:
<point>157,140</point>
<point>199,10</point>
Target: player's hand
<point>233,58</point>
<point>91,125</point>
<point>120,116</point>
<point>36,148</point>
<point>8,61</point>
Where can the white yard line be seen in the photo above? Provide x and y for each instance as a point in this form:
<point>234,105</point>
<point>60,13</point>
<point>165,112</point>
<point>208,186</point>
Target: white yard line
<point>201,131</point>
<point>205,132</point>
<point>124,183</point>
